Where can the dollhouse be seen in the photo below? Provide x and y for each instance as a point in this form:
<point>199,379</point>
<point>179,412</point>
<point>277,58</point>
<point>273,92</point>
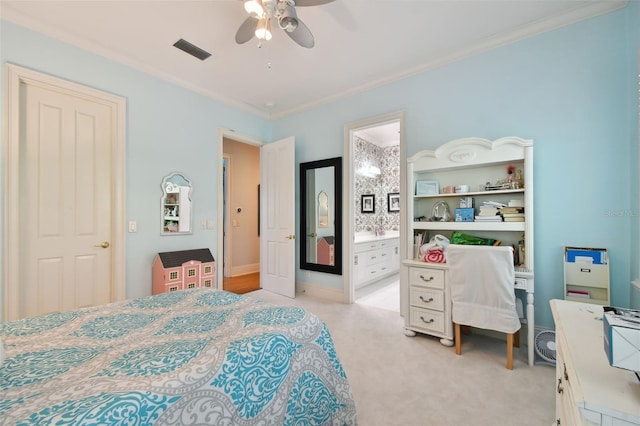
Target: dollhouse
<point>179,270</point>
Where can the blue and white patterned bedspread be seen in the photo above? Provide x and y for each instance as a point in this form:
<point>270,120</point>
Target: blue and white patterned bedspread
<point>184,358</point>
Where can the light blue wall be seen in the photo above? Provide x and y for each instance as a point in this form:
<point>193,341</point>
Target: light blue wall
<point>571,91</point>
<point>168,129</point>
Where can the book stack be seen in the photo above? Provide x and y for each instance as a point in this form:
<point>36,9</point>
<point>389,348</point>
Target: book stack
<point>489,211</point>
<point>513,212</point>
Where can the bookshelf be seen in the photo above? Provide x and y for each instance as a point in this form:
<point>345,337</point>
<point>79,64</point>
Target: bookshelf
<point>500,172</point>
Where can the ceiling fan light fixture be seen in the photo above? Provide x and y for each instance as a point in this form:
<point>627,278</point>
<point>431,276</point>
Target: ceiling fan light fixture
<point>263,30</point>
<point>288,19</point>
<point>254,8</point>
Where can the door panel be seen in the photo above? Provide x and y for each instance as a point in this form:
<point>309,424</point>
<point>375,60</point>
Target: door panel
<point>65,202</point>
<point>278,217</point>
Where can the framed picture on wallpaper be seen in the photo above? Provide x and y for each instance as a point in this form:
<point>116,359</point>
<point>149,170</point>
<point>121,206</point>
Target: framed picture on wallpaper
<point>393,202</point>
<point>368,203</point>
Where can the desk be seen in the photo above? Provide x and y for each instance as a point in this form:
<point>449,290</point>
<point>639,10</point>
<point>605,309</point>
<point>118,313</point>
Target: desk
<point>438,311</point>
<point>588,389</point>
<point>525,282</point>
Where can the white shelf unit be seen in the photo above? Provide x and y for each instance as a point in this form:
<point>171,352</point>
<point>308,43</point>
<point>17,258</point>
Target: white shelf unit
<point>472,162</point>
<point>587,281</point>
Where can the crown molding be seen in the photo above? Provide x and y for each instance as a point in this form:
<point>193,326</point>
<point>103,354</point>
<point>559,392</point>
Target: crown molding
<point>577,14</point>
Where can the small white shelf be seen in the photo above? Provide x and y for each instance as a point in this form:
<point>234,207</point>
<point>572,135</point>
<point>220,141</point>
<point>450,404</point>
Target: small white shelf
<point>473,194</point>
<point>470,226</point>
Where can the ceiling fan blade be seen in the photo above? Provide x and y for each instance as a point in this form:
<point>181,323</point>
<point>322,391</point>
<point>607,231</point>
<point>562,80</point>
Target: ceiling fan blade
<point>247,30</point>
<point>312,2</point>
<point>302,35</point>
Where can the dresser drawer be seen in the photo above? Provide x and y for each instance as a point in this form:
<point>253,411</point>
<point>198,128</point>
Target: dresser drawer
<point>426,298</point>
<point>426,277</point>
<point>362,247</point>
<point>427,319</point>
<point>372,257</point>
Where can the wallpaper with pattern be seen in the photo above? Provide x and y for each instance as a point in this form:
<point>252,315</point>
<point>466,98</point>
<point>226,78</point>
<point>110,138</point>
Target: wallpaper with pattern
<point>388,160</point>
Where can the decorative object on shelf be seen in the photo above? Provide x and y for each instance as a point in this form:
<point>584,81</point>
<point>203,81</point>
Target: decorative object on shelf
<point>367,203</point>
<point>427,187</point>
<point>499,185</point>
<point>441,212</point>
<point>466,202</point>
<point>393,202</point>
<point>464,215</point>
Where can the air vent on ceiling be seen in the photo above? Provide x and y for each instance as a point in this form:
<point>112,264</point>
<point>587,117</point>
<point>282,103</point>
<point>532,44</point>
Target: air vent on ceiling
<point>192,49</point>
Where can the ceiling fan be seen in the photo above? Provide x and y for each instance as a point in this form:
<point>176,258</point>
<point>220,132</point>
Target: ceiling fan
<point>284,12</point>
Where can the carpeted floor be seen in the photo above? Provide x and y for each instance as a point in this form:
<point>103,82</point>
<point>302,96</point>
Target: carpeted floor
<point>415,381</point>
<point>384,294</point>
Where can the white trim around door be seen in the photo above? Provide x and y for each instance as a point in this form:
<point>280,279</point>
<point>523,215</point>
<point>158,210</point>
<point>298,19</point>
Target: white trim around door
<point>348,204</point>
<point>16,77</point>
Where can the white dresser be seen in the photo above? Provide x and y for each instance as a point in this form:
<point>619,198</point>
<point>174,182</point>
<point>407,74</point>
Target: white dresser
<point>429,302</point>
<point>375,258</point>
<point>588,390</point>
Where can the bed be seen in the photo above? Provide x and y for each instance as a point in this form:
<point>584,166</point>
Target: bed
<point>189,357</point>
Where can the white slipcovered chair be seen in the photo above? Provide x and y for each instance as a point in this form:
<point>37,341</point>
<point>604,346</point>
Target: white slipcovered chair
<point>481,280</point>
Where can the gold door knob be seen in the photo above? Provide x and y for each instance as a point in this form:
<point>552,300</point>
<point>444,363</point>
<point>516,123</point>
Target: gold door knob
<point>291,237</point>
<point>313,235</point>
<point>104,244</point>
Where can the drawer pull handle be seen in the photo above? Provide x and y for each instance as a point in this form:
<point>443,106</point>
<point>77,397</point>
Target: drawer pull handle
<point>566,376</point>
<point>428,322</point>
<point>560,389</point>
<point>426,279</point>
<point>426,300</point>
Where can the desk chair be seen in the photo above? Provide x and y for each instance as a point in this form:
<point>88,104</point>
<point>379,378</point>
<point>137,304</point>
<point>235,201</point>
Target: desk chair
<point>481,280</point>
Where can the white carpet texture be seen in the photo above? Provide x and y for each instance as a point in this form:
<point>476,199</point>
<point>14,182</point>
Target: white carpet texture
<point>415,381</point>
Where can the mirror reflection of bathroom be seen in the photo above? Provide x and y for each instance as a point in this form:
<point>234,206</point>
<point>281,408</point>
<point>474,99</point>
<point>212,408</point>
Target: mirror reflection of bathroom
<point>321,215</point>
<point>376,165</point>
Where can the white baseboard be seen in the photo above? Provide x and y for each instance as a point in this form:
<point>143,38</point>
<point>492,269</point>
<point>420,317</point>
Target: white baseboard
<point>244,269</point>
<point>320,291</point>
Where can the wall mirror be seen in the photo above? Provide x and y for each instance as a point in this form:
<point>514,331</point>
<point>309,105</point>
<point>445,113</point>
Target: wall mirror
<point>175,205</point>
<point>321,215</point>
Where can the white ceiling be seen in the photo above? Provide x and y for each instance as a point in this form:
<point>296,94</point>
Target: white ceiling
<point>359,44</point>
<point>384,135</point>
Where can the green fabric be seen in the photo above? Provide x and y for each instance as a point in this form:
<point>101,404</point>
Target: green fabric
<point>459,238</point>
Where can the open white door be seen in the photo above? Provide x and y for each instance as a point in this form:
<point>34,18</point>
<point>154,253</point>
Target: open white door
<point>277,217</point>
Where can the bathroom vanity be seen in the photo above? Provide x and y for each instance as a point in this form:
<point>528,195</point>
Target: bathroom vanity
<point>375,257</point>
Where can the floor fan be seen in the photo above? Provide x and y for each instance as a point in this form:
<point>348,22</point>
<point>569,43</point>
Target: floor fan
<point>545,346</point>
